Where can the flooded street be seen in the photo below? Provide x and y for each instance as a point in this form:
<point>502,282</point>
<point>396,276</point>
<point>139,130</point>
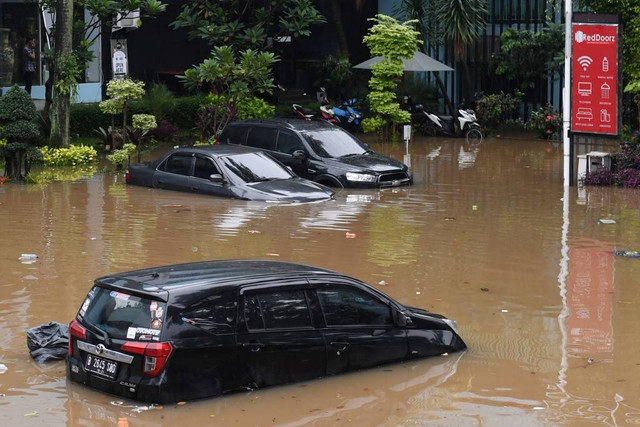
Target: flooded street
<point>486,236</point>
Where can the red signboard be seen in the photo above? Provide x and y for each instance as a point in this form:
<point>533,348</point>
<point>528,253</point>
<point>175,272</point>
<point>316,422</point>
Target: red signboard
<point>594,78</point>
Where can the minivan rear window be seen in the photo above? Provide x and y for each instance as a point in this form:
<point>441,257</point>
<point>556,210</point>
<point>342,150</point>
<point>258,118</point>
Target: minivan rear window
<point>123,316</point>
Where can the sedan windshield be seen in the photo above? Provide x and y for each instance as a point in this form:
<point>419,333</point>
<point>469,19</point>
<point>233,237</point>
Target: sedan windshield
<point>332,143</point>
<point>255,167</point>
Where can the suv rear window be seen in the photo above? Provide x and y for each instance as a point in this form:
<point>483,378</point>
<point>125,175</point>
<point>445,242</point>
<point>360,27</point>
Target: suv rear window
<point>123,316</point>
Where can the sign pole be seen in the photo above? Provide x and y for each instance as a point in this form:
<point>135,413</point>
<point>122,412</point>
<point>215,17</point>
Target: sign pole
<point>566,94</point>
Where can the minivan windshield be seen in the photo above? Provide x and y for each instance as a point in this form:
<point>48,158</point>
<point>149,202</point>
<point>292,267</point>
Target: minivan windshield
<point>332,143</point>
<point>122,316</point>
<point>255,167</point>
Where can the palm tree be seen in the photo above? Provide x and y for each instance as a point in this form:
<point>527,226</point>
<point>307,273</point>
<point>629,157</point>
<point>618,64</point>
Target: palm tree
<point>461,22</point>
<point>424,13</point>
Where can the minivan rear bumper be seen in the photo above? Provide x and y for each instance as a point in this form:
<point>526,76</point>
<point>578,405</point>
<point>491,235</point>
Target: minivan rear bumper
<point>152,390</point>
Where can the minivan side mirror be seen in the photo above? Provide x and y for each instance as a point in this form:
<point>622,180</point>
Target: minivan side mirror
<point>402,319</point>
<point>299,155</point>
<point>217,178</point>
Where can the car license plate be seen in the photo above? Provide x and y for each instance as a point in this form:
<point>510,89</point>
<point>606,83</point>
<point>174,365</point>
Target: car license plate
<point>395,182</point>
<point>99,366</point>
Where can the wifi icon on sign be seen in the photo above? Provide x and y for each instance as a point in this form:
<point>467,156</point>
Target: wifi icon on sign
<point>585,61</point>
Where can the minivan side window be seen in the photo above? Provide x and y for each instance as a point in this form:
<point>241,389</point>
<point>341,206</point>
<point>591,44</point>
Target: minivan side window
<point>236,135</point>
<point>178,163</point>
<point>263,137</point>
<point>216,313</point>
<point>345,306</point>
<point>288,142</point>
<point>277,309</point>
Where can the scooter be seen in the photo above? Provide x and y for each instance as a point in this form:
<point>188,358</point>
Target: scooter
<point>302,112</point>
<point>427,123</point>
<point>347,115</point>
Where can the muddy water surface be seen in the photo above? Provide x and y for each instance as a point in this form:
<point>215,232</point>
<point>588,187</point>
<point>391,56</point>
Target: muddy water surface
<point>486,235</point>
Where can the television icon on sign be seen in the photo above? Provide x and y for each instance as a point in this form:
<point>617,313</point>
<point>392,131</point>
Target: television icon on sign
<point>585,88</point>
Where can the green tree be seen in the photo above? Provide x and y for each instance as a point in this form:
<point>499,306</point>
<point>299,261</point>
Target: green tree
<point>18,132</point>
<point>120,92</point>
<point>393,41</point>
<point>460,22</point>
<point>247,24</point>
<point>424,13</point>
<point>232,79</point>
<point>72,38</point>
<point>527,57</point>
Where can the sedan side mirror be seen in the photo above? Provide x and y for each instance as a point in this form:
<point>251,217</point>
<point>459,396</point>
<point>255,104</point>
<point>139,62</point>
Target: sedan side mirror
<point>217,178</point>
<point>299,155</point>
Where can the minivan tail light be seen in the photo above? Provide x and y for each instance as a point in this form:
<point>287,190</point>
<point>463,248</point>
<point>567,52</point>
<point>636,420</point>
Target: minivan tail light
<point>76,330</point>
<point>127,175</point>
<point>155,355</point>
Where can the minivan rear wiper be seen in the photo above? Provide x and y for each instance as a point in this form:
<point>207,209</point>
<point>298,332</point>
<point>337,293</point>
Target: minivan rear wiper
<point>100,332</point>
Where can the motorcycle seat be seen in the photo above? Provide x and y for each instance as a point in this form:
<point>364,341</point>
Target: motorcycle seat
<point>446,118</point>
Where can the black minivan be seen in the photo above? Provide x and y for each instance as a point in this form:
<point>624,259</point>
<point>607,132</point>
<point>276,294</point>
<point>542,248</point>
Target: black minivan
<point>194,330</point>
<point>319,151</point>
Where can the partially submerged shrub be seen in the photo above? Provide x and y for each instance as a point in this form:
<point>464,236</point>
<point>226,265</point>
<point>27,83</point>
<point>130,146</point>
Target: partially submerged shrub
<point>546,122</point>
<point>122,157</point>
<point>494,110</point>
<point>164,131</point>
<point>72,156</point>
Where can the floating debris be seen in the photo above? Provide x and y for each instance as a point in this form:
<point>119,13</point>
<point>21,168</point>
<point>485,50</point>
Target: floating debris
<point>630,254</point>
<point>350,235</point>
<point>607,221</point>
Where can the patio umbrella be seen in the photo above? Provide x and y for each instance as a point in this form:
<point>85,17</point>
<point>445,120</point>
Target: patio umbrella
<point>419,62</point>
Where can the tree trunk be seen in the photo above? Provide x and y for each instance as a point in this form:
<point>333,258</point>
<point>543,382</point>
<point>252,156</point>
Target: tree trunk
<point>61,104</point>
<point>443,89</point>
<point>337,17</point>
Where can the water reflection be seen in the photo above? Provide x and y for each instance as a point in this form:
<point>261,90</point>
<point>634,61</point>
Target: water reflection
<point>363,398</point>
<point>484,244</point>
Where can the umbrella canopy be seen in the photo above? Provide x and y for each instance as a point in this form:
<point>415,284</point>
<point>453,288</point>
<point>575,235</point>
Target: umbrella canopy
<point>419,62</point>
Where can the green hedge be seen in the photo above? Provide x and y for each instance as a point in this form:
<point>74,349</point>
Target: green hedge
<point>87,117</point>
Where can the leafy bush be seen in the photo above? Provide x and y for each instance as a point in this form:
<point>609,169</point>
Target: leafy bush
<point>185,113</point>
<point>164,131</point>
<point>144,122</point>
<point>122,156</point>
<point>493,110</point>
<point>72,156</point>
<point>625,171</point>
<point>85,118</point>
<point>546,122</point>
<point>255,108</point>
<point>159,101</point>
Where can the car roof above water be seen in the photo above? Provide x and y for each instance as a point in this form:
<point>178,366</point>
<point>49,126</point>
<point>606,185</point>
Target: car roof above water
<point>290,123</point>
<point>184,278</point>
<point>218,150</point>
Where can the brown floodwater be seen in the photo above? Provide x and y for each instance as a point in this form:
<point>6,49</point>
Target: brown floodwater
<point>487,235</point>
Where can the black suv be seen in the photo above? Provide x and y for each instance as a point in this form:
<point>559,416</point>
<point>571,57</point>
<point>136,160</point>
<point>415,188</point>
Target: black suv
<point>202,329</point>
<point>319,151</point>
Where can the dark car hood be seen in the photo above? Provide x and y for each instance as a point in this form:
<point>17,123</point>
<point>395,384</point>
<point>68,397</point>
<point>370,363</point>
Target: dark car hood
<point>289,190</point>
<point>370,162</point>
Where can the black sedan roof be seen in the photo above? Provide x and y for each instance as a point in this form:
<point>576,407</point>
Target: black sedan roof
<point>221,150</point>
<point>183,278</point>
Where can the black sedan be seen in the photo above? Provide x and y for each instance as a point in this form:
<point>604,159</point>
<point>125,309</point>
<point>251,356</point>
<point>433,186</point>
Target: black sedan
<point>227,170</point>
<point>203,329</point>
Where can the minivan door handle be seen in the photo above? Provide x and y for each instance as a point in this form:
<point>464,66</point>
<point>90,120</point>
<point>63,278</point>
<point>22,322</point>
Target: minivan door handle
<point>340,345</point>
<point>254,346</point>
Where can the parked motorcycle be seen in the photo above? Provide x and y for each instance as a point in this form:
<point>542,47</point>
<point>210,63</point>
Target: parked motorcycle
<point>302,112</point>
<point>428,123</point>
<point>346,115</point>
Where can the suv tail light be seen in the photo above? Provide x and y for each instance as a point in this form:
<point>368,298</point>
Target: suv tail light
<point>155,355</point>
<point>127,175</point>
<point>75,331</point>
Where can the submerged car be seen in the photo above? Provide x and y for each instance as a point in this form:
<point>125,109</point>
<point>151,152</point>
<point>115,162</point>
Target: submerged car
<point>319,151</point>
<point>195,330</point>
<point>226,170</point>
